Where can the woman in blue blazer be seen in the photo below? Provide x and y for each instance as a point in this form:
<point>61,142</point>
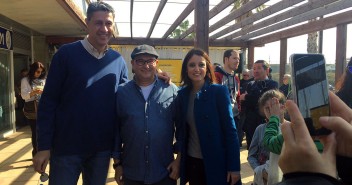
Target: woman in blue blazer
<point>210,152</point>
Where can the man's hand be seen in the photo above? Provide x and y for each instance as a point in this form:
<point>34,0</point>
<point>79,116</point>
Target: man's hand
<point>119,175</point>
<point>41,160</point>
<point>163,76</point>
<point>341,123</point>
<point>233,177</point>
<point>299,153</point>
<point>174,168</point>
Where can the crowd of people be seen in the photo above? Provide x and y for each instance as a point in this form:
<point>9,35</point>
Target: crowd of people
<point>89,113</point>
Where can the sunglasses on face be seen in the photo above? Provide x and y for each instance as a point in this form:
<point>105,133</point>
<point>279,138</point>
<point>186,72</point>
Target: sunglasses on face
<point>142,62</point>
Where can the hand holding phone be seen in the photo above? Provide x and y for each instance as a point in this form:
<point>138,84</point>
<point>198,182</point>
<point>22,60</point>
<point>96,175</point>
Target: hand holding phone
<point>310,90</point>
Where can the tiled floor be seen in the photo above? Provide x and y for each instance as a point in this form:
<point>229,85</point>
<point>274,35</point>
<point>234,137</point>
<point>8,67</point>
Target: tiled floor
<point>16,165</point>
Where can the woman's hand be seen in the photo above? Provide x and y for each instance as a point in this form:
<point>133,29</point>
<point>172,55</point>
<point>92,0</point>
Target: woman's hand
<point>35,92</point>
<point>233,177</point>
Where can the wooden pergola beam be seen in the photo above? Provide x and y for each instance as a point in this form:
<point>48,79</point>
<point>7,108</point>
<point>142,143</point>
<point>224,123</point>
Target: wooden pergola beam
<point>201,19</point>
<point>321,24</point>
<point>341,43</point>
<point>131,17</point>
<point>235,14</point>
<point>280,17</point>
<point>156,17</point>
<point>180,18</point>
<point>212,13</point>
<point>250,20</point>
<point>172,42</point>
<point>334,7</point>
<point>283,58</point>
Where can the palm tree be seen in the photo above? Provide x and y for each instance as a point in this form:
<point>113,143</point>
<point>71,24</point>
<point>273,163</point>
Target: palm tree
<point>312,41</point>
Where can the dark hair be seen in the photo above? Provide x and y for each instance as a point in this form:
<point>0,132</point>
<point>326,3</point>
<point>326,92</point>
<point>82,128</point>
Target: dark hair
<point>210,75</point>
<point>227,54</point>
<point>99,6</point>
<point>33,68</point>
<point>344,85</point>
<point>265,63</point>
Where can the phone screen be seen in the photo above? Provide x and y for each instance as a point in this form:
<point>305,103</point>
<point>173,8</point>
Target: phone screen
<point>310,90</point>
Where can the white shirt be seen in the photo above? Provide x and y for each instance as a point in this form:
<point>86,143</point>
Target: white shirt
<point>146,90</point>
<point>26,88</point>
<point>90,48</point>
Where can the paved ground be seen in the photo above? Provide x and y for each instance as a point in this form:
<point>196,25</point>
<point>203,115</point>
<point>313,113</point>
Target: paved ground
<point>16,165</point>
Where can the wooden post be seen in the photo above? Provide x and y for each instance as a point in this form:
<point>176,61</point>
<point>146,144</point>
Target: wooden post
<point>250,57</point>
<point>201,21</point>
<point>283,59</point>
<point>341,45</point>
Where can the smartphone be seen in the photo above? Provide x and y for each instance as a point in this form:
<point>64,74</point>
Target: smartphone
<point>310,90</point>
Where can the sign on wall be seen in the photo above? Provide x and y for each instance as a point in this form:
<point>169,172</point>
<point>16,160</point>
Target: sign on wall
<point>173,68</point>
<point>5,39</point>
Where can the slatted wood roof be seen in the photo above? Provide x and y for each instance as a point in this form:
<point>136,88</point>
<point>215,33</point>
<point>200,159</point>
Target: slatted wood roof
<point>283,19</point>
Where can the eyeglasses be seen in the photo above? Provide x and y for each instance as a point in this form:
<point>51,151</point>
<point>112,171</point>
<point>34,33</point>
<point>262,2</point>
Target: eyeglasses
<point>142,62</point>
<point>43,178</point>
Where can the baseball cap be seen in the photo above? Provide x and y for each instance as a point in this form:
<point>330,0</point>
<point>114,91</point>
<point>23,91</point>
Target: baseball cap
<point>144,49</point>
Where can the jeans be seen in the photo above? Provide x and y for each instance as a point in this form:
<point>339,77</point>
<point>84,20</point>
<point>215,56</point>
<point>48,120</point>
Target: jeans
<point>65,170</point>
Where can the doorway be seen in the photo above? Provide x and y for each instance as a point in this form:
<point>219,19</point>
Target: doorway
<point>5,111</point>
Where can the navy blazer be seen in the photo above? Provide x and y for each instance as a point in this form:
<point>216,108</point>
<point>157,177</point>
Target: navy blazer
<point>216,131</point>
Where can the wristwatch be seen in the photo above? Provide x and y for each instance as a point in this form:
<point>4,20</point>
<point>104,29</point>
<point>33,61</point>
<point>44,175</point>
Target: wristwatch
<point>115,165</point>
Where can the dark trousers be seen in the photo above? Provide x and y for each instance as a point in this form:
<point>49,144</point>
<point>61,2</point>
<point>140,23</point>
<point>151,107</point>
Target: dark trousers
<point>195,172</point>
<point>33,124</point>
<point>239,128</point>
<point>166,181</point>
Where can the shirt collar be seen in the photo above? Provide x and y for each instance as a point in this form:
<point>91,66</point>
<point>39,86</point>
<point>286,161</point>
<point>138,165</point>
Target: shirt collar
<point>93,51</point>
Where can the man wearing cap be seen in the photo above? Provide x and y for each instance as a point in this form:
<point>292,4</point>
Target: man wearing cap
<point>144,147</point>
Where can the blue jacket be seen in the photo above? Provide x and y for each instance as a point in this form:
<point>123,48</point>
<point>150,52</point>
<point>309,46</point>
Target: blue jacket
<point>146,131</point>
<point>216,130</point>
<point>77,112</point>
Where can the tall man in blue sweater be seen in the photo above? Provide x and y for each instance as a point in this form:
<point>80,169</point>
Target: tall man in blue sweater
<point>146,123</point>
<point>77,111</point>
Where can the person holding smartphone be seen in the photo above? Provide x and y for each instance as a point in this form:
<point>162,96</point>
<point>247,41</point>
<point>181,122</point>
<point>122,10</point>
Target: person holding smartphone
<point>301,163</point>
<point>31,90</point>
<point>344,85</point>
